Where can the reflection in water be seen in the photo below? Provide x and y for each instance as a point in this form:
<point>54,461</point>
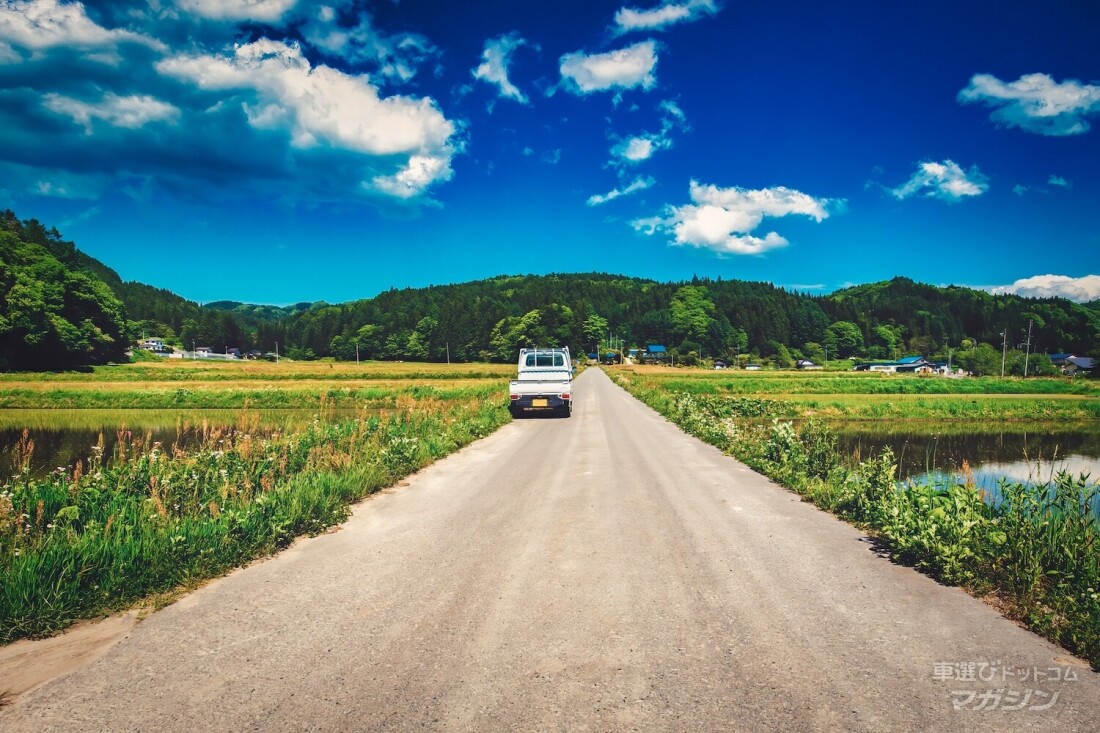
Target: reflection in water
<point>1033,456</point>
<point>63,437</point>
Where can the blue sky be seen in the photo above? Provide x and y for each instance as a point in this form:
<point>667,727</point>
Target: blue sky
<point>276,151</point>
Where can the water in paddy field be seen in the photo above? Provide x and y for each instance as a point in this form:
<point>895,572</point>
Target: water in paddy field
<point>1028,455</point>
<point>63,437</point>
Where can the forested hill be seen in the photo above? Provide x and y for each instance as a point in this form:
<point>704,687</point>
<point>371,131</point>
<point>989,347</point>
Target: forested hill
<point>492,318</point>
<point>95,315</point>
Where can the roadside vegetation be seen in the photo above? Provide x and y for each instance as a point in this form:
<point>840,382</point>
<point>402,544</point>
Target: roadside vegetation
<point>1033,553</point>
<point>142,520</point>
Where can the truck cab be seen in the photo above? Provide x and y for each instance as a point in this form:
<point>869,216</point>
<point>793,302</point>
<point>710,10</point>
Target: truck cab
<point>543,383</point>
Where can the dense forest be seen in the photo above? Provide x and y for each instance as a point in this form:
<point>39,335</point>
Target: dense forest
<point>64,308</point>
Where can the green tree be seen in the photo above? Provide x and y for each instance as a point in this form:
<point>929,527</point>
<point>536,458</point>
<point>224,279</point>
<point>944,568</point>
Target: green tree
<point>595,330</point>
<point>843,338</point>
<point>511,334</point>
<point>52,317</point>
<point>983,360</point>
<point>690,312</point>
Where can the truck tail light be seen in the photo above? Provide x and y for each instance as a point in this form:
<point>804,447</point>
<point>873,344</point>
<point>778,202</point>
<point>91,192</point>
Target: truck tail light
<point>564,395</point>
<point>514,397</point>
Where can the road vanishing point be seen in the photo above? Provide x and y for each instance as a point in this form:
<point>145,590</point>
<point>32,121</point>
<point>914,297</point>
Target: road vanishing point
<point>599,573</point>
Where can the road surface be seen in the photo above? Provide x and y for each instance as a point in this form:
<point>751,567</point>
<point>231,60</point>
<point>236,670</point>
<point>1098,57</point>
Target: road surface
<point>601,573</point>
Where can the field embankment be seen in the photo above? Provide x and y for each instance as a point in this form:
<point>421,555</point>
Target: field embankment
<point>118,528</point>
<point>1035,552</point>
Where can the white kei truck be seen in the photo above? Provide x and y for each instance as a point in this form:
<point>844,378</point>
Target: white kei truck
<point>543,383</point>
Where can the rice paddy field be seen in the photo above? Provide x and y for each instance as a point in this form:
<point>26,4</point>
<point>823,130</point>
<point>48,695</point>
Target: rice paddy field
<point>183,470</point>
<point>879,396</point>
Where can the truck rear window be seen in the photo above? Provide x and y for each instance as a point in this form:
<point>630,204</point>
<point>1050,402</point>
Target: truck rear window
<point>545,360</point>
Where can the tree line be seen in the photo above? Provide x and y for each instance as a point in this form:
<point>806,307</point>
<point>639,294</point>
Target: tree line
<point>93,316</point>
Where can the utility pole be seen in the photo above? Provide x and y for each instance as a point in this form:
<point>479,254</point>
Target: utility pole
<point>1004,349</point>
<point>1027,353</point>
<point>356,353</point>
<point>448,352</point>
<point>276,352</point>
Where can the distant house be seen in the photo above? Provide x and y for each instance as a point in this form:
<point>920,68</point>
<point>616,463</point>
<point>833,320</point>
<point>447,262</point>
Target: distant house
<point>156,345</point>
<point>752,367</point>
<point>203,351</point>
<point>1071,365</point>
<point>654,354</point>
<point>909,364</point>
<point>807,365</point>
<point>719,364</point>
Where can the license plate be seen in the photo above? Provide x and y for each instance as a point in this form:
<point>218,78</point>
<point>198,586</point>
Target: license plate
<point>538,403</point>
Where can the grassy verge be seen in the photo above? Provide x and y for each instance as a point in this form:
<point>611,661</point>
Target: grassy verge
<point>110,531</point>
<point>1036,553</point>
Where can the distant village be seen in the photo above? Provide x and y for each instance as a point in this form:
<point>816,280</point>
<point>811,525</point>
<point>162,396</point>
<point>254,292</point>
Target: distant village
<point>1069,364</point>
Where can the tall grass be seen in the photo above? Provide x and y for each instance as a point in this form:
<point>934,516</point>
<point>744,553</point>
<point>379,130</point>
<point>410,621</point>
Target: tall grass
<point>1036,550</point>
<point>117,528</point>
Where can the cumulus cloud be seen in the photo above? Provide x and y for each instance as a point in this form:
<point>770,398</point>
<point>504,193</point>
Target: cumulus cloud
<point>321,106</point>
<point>639,184</point>
<point>1078,289</point>
<point>264,11</point>
<point>662,16</point>
<point>945,181</point>
<point>625,68</point>
<point>131,111</point>
<point>396,57</point>
<point>1059,182</point>
<point>495,60</point>
<point>723,219</point>
<point>38,25</point>
<point>1035,102</point>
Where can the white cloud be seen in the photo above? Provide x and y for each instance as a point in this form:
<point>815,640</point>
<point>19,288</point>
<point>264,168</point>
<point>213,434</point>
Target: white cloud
<point>1059,181</point>
<point>267,11</point>
<point>1078,289</point>
<point>319,105</point>
<point>396,57</point>
<point>38,25</point>
<point>420,172</point>
<point>638,148</point>
<point>496,58</point>
<point>624,68</point>
<point>1020,189</point>
<point>723,219</point>
<point>662,16</point>
<point>945,181</point>
<point>639,184</point>
<point>1036,103</point>
<point>131,112</point>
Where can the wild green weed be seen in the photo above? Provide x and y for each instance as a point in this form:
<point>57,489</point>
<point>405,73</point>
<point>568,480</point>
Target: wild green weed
<point>113,529</point>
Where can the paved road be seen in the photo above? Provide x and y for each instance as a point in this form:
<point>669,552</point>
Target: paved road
<point>599,573</point>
